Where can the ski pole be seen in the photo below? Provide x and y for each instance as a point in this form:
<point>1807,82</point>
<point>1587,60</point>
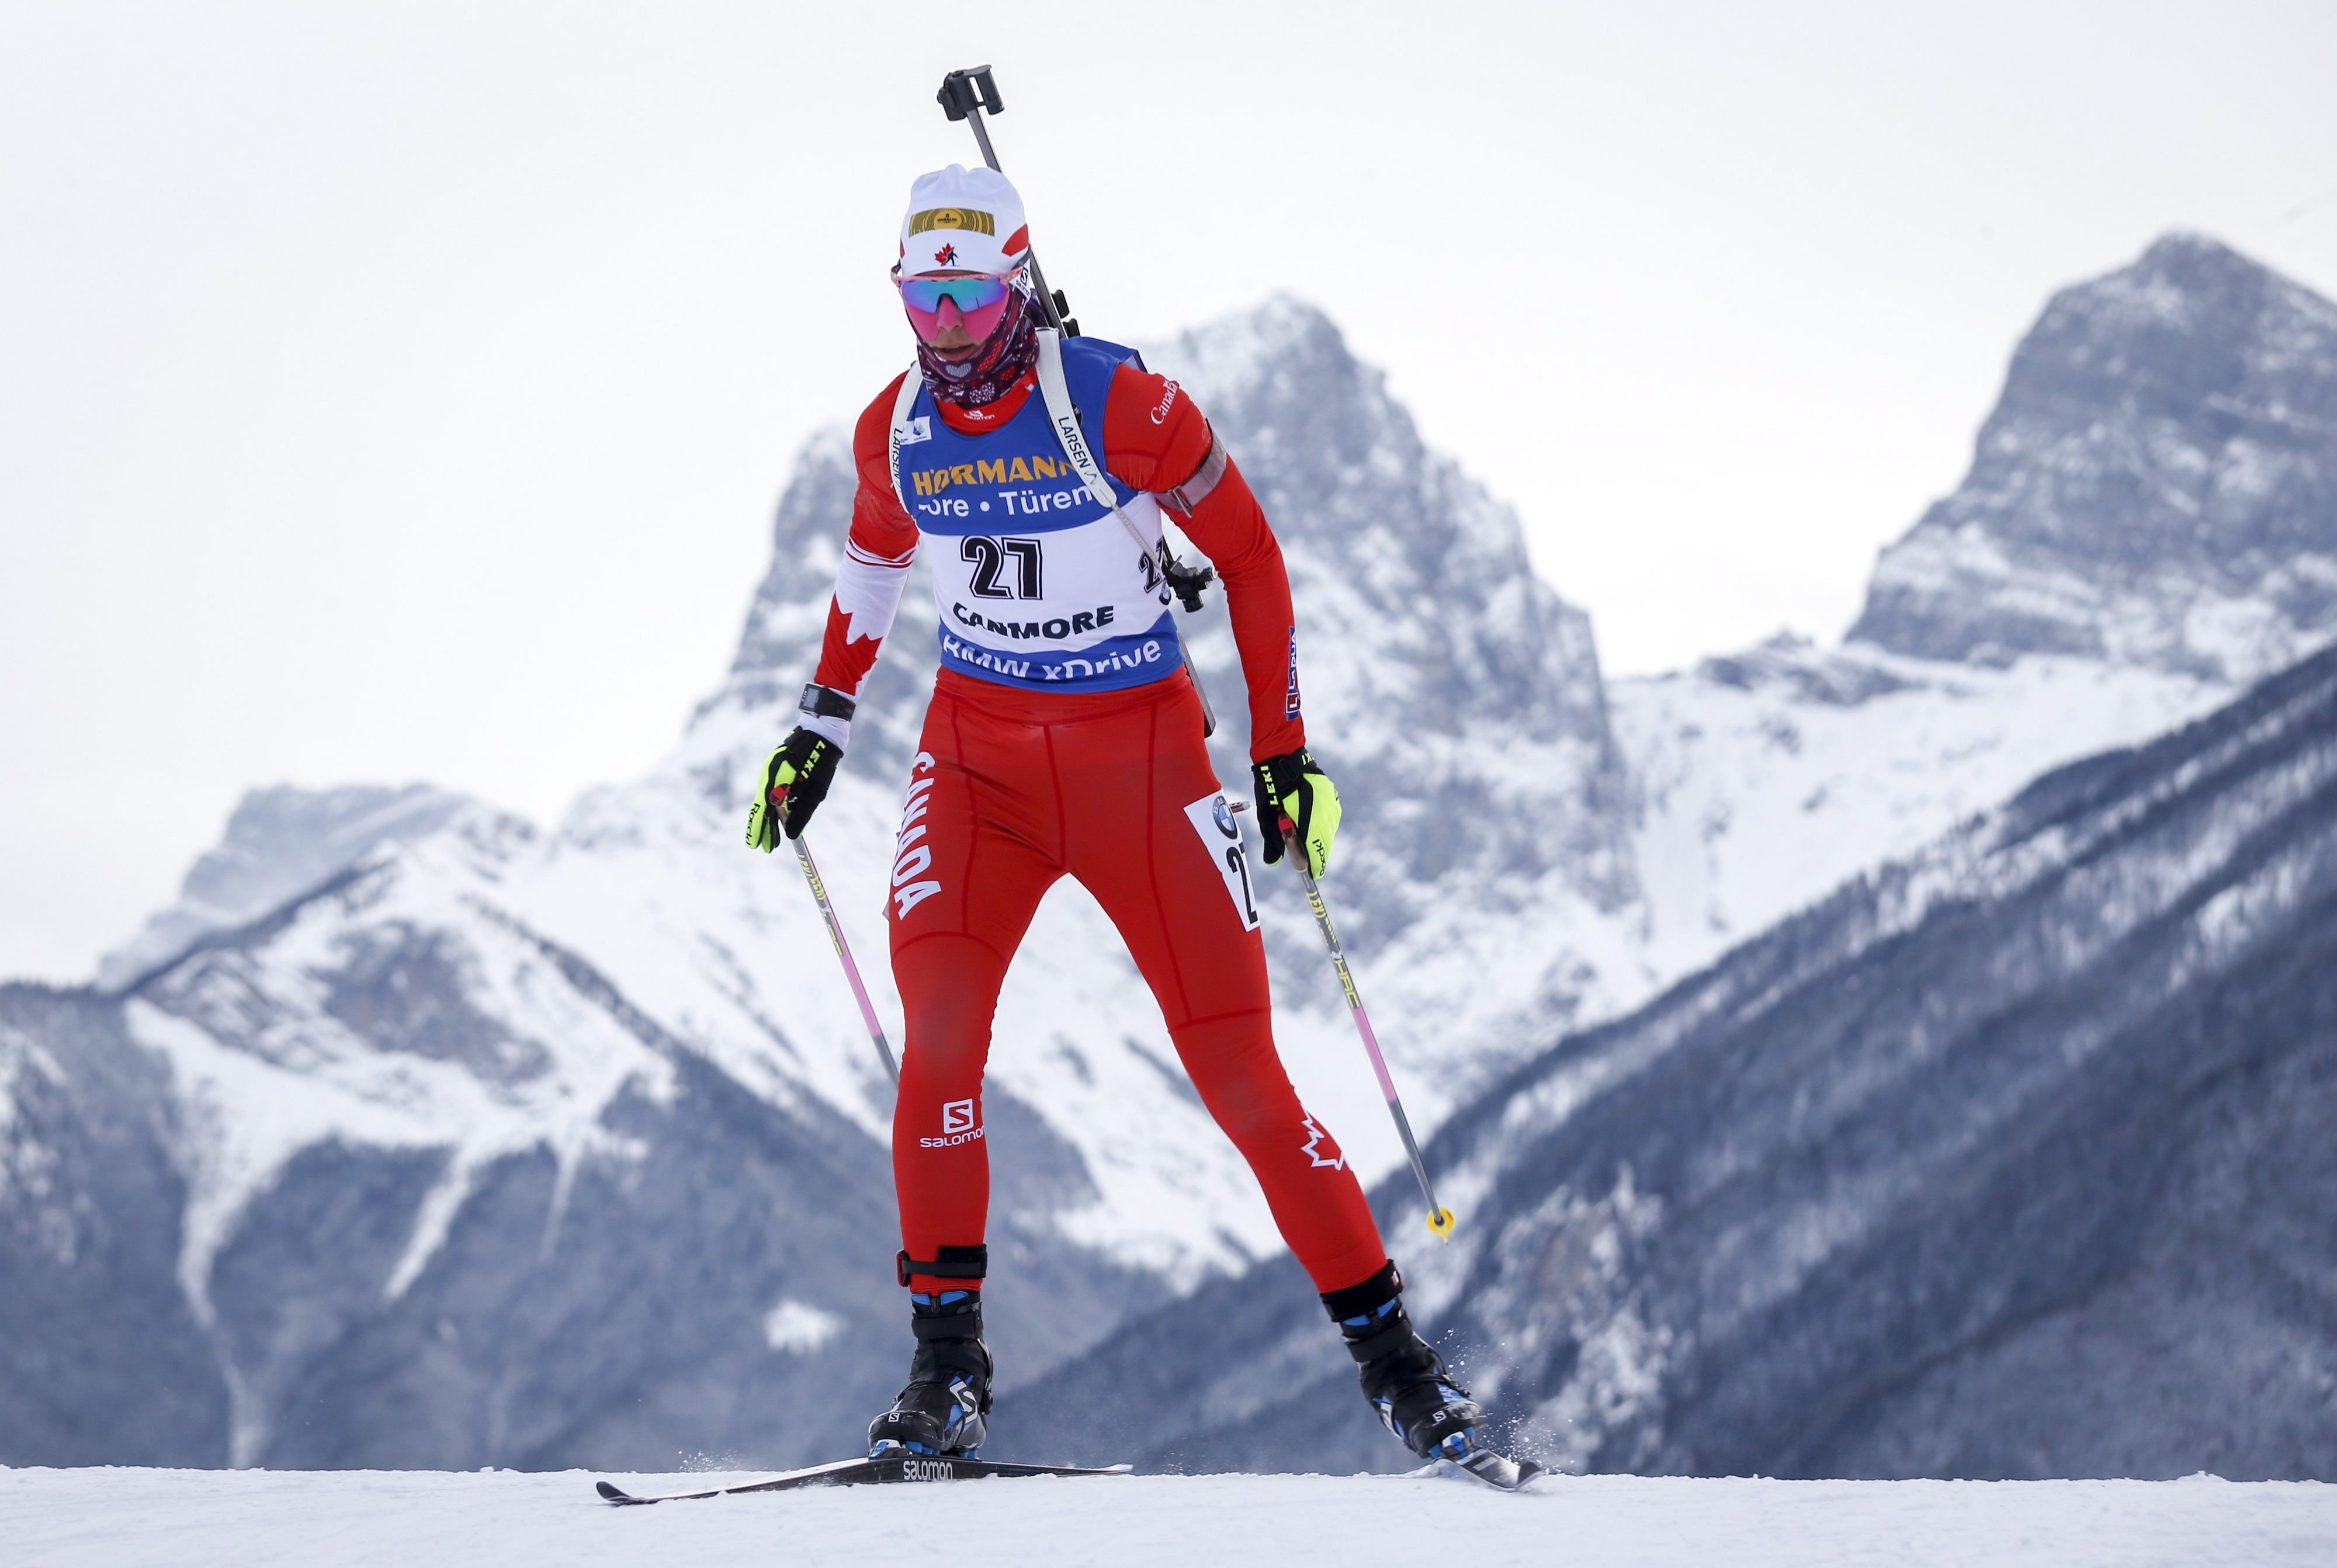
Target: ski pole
<point>1440,1218</point>
<point>851,970</point>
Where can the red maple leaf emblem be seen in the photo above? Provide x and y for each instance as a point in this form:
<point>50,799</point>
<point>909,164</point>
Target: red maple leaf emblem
<point>946,255</point>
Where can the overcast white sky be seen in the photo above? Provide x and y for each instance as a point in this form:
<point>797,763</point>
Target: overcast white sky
<point>396,391</point>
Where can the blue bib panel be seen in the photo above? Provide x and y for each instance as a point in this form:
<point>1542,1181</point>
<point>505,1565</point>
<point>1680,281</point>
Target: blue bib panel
<point>1038,585</point>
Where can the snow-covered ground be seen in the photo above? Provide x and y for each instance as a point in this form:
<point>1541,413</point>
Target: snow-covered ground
<point>112,1518</point>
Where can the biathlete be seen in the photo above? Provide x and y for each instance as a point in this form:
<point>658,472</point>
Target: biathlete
<point>1065,737</point>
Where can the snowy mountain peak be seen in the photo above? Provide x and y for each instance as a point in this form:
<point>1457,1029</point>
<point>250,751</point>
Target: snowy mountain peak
<point>2157,487</point>
<point>281,841</point>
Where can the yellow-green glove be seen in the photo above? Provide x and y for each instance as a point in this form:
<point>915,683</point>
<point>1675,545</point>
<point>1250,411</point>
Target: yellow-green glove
<point>1292,789</point>
<point>795,781</point>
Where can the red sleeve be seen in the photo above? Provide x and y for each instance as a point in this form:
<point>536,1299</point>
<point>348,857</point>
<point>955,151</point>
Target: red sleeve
<point>881,542</point>
<point>1155,439</point>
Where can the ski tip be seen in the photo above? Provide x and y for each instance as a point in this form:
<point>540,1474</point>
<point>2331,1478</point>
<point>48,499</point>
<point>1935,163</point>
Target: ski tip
<point>1500,1472</point>
<point>615,1495</point>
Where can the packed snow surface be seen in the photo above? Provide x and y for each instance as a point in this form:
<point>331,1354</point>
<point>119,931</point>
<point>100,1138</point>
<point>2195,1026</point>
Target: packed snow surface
<point>110,1518</point>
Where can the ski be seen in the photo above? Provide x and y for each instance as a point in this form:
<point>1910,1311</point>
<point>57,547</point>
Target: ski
<point>888,1469</point>
<point>1498,1470</point>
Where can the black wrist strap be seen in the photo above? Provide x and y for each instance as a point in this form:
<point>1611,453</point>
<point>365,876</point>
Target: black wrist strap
<point>825,702</point>
<point>1285,773</point>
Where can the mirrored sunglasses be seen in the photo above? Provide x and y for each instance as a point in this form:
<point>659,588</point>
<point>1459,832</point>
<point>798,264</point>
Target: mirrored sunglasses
<point>925,295</point>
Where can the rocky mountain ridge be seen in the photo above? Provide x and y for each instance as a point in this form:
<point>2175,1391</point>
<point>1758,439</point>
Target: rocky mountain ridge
<point>2158,486</point>
<point>2150,523</point>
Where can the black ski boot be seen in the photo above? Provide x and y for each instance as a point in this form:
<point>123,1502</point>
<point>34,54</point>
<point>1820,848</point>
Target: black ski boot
<point>942,1408</point>
<point>1402,1377</point>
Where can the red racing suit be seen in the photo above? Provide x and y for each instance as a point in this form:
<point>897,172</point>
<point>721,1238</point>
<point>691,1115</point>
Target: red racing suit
<point>1015,788</point>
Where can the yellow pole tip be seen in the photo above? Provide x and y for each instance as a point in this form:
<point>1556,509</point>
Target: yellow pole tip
<point>1442,1222</point>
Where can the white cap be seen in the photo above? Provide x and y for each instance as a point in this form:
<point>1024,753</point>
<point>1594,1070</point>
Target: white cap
<point>964,220</point>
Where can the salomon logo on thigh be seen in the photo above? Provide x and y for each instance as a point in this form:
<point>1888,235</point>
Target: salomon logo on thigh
<point>961,1123</point>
